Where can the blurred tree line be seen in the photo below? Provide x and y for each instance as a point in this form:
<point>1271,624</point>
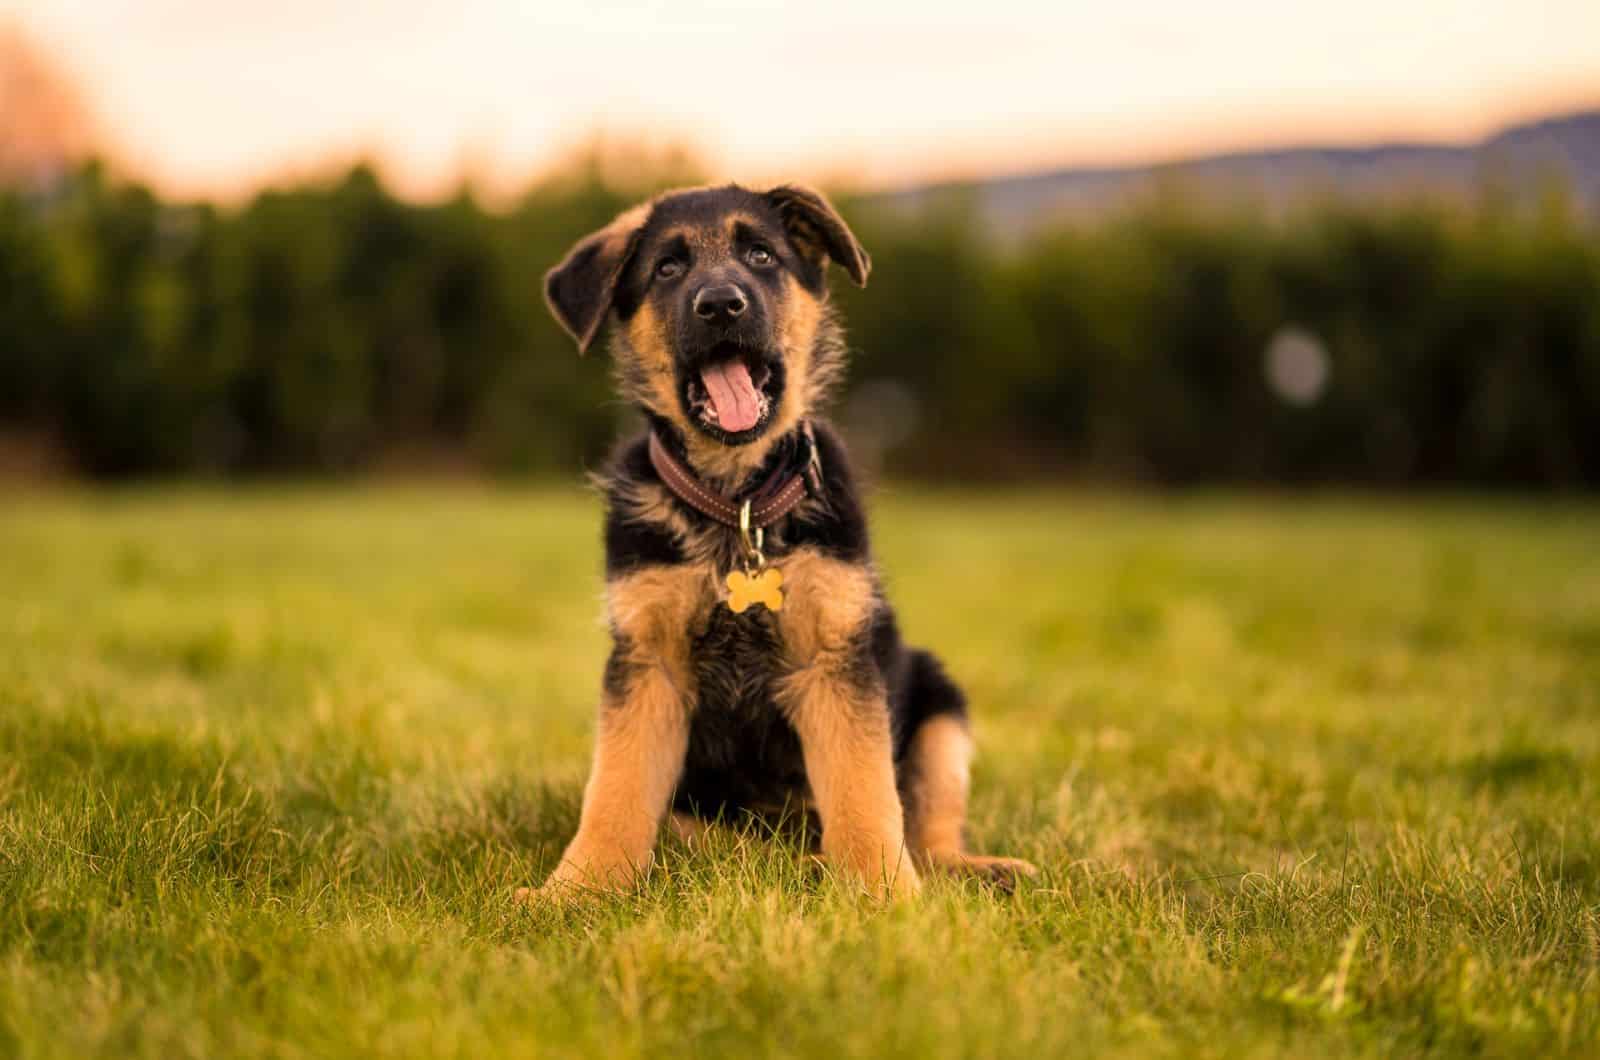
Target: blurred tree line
<point>332,327</point>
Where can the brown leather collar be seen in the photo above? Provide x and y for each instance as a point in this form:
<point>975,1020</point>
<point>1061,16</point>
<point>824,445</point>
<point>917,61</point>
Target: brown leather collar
<point>771,501</point>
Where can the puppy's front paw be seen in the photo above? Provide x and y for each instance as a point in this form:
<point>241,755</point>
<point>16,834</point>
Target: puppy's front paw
<point>902,882</point>
<point>584,872</point>
<point>551,894</point>
<point>884,878</point>
<point>555,893</point>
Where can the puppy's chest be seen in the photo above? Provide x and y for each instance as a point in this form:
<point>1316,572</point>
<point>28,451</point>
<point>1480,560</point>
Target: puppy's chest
<point>737,731</point>
<point>736,660</point>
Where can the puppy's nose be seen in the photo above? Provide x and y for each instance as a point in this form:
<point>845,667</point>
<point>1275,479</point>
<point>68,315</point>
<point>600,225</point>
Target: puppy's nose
<point>722,303</point>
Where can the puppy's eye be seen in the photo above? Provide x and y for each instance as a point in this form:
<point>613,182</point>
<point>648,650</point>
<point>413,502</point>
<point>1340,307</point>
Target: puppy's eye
<point>667,268</point>
<point>760,256</point>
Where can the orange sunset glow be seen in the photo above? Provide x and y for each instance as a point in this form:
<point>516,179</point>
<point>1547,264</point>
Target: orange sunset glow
<point>216,98</point>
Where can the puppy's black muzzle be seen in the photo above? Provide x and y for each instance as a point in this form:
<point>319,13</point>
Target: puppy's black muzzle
<point>720,305</point>
<point>723,317</point>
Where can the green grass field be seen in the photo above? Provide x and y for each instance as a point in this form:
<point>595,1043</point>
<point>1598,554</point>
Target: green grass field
<point>1305,777</point>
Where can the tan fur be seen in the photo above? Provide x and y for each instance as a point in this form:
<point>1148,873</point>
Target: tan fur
<point>690,830</point>
<point>651,504</point>
<point>656,610</point>
<point>849,757</point>
<point>843,726</point>
<point>837,705</point>
<point>645,373</point>
<point>733,222</point>
<point>797,334</point>
<point>808,336</point>
<point>829,604</point>
<point>639,749</point>
<point>703,241</point>
<point>939,763</point>
<point>727,466</point>
<point>643,733</point>
<point>940,760</point>
<point>708,545</point>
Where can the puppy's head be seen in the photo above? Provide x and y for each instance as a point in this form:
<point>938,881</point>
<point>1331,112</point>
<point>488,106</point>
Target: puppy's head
<point>720,296</point>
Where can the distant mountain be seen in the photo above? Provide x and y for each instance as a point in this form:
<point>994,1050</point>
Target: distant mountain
<point>1521,158</point>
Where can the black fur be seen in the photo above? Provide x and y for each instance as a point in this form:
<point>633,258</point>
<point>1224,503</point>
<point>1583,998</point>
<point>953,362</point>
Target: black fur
<point>743,754</point>
<point>744,757</point>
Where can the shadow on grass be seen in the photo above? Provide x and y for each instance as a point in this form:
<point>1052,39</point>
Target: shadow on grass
<point>1510,767</point>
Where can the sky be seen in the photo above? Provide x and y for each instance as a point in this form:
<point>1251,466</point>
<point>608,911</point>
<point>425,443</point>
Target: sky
<point>216,97</point>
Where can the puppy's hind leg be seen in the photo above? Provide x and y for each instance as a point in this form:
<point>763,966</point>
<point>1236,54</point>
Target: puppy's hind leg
<point>690,830</point>
<point>937,777</point>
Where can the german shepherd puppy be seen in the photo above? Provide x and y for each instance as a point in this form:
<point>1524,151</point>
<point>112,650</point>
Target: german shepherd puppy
<point>724,696</point>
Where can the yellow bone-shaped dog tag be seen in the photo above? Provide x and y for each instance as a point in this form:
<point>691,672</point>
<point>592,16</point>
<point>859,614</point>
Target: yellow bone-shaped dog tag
<point>764,587</point>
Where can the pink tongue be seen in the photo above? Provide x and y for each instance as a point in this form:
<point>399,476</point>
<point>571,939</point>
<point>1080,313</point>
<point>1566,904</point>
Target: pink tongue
<point>733,395</point>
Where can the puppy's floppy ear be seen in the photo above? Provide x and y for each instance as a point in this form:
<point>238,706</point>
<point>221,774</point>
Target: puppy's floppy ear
<point>816,227</point>
<point>580,289</point>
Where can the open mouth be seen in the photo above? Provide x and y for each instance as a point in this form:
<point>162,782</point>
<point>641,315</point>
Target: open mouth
<point>733,394</point>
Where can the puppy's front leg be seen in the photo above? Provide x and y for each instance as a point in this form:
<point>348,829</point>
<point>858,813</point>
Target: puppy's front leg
<point>639,748</point>
<point>836,700</point>
<point>643,731</point>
